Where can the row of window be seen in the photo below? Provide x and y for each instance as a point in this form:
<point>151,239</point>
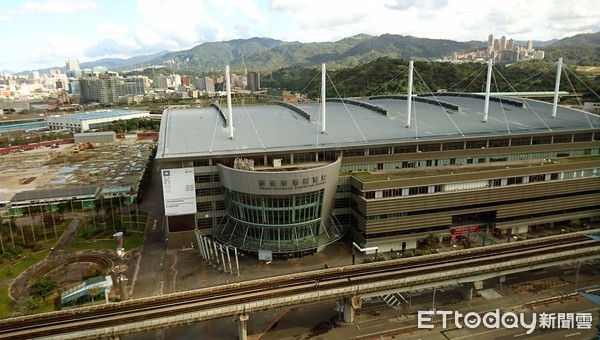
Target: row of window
<point>271,210</point>
<point>477,144</point>
<point>470,185</point>
<point>61,124</point>
<point>287,158</point>
<point>483,205</point>
<point>208,206</point>
<point>466,160</point>
<point>272,235</point>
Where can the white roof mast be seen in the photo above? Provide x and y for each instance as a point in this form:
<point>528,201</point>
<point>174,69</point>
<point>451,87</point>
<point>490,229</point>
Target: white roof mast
<point>230,112</point>
<point>488,83</point>
<point>410,88</point>
<point>323,95</point>
<point>556,87</point>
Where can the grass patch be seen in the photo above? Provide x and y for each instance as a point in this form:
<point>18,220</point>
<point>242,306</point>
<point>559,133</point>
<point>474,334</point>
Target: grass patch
<point>47,306</point>
<point>6,304</point>
<point>26,260</point>
<point>104,240</point>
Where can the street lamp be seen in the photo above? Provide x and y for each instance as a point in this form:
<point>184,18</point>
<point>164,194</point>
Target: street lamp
<point>433,302</point>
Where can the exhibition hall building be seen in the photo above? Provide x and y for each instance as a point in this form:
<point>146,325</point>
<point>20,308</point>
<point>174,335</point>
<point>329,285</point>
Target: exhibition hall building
<point>291,178</point>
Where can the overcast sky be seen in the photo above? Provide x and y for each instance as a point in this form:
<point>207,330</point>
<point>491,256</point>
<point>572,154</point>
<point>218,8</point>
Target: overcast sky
<point>45,33</point>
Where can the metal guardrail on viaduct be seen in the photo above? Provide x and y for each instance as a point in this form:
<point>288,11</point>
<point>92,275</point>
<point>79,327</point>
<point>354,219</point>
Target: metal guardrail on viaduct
<point>349,283</point>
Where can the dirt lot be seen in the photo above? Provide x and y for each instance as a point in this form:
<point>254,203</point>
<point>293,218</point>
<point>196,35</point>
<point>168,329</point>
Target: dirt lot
<point>110,164</point>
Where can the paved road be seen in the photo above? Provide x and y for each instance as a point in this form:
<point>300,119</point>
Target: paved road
<point>149,277</point>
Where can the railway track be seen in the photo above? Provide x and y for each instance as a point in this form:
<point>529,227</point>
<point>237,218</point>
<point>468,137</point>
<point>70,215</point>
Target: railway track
<point>134,311</point>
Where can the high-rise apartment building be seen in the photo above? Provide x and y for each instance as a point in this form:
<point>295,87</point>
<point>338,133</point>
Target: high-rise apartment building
<point>503,43</point>
<point>73,65</point>
<point>490,45</point>
<point>510,44</point>
<point>132,86</point>
<point>160,82</point>
<point>101,89</point>
<point>253,81</point>
<point>185,81</point>
<point>206,84</point>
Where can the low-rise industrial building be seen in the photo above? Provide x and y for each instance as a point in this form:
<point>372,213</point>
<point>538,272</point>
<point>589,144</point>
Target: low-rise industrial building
<point>82,122</point>
<point>96,137</point>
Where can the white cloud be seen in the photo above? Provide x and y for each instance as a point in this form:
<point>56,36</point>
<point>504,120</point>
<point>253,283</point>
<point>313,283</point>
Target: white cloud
<point>56,6</point>
<point>315,20</point>
<point>59,48</point>
<point>180,24</point>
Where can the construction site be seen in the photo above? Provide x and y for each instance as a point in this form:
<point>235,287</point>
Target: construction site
<point>56,165</point>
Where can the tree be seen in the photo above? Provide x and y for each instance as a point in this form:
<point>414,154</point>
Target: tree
<point>432,239</point>
<point>43,287</point>
<point>94,293</point>
<point>90,272</point>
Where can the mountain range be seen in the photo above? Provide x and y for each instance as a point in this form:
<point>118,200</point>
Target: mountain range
<point>266,54</point>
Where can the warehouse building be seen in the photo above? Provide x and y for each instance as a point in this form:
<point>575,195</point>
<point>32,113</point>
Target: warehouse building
<point>95,137</point>
<point>290,178</point>
<point>82,122</point>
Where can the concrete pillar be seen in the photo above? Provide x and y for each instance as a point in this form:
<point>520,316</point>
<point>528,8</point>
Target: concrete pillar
<point>466,292</point>
<point>243,327</point>
<point>350,305</point>
<point>123,291</point>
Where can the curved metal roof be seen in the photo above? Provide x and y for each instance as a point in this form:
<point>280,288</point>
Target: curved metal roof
<point>200,132</point>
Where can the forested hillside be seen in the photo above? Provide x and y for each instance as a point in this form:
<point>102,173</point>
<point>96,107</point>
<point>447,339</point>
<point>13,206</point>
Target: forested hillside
<point>389,76</point>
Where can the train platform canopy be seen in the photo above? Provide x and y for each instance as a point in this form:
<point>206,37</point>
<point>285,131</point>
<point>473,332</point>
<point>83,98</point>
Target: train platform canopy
<point>591,293</point>
<point>201,132</point>
<point>83,291</point>
<point>55,195</point>
<point>594,236</point>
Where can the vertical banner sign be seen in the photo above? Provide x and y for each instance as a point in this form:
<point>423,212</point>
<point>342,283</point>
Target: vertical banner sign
<point>179,191</point>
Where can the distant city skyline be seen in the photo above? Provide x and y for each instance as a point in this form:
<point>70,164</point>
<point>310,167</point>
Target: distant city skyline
<point>45,33</point>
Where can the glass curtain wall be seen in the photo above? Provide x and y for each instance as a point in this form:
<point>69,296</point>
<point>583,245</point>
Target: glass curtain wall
<point>276,217</point>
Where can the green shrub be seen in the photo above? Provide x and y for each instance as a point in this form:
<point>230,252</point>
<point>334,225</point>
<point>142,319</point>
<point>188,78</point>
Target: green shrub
<point>43,287</point>
<point>17,250</point>
<point>423,252</point>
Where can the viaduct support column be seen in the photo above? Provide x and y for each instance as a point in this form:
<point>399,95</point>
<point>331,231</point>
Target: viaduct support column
<point>243,327</point>
<point>466,292</point>
<point>350,304</point>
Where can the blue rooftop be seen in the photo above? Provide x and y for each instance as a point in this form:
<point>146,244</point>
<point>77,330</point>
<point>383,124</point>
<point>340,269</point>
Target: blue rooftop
<point>105,114</point>
<point>22,126</point>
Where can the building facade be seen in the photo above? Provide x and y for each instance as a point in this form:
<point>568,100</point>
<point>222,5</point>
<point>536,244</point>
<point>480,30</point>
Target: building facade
<point>102,89</point>
<point>253,81</point>
<point>282,209</point>
<point>82,122</point>
<point>448,173</point>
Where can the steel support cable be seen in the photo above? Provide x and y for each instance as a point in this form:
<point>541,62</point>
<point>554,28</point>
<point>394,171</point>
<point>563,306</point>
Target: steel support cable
<point>578,100</point>
<point>584,84</point>
<point>538,78</point>
<point>440,104</point>
<point>467,77</point>
<point>524,101</point>
<point>252,123</point>
<point>212,142</point>
<point>310,82</point>
<point>502,106</point>
<point>389,81</point>
<point>349,113</point>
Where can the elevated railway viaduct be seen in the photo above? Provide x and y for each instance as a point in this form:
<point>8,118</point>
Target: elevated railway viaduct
<point>349,284</point>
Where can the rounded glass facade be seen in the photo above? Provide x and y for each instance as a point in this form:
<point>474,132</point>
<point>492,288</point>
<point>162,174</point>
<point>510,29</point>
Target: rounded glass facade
<point>287,211</point>
<point>271,218</point>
